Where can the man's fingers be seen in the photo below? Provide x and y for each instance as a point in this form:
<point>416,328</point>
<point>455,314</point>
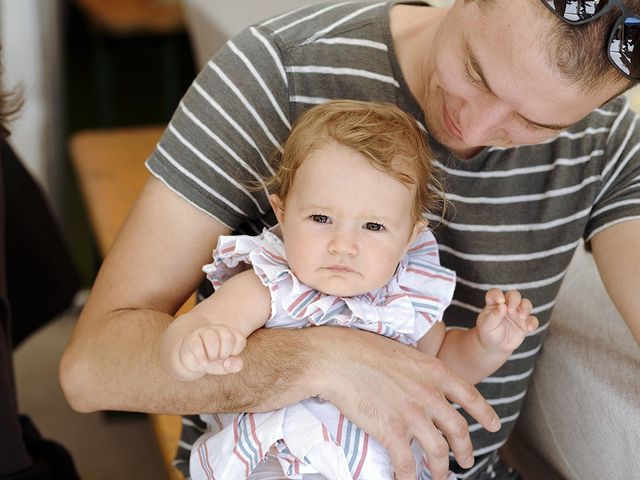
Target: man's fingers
<point>402,459</point>
<point>436,449</point>
<point>455,430</point>
<point>468,397</point>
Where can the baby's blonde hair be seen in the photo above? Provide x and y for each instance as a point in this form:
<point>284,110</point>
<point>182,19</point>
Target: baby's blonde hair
<point>387,136</point>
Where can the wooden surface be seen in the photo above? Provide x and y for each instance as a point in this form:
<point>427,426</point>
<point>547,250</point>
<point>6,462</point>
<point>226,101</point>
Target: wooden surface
<point>125,17</point>
<point>110,168</point>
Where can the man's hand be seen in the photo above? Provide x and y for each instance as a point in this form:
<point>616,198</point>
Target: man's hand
<point>396,394</point>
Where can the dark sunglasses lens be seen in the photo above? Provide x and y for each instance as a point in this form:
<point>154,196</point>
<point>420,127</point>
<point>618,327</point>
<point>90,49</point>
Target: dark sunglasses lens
<point>576,11</point>
<point>624,47</point>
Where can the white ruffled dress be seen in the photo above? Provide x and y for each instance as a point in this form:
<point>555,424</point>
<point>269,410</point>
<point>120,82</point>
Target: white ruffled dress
<point>312,436</point>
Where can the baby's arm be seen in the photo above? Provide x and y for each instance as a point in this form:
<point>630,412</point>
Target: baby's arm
<point>478,352</point>
<point>209,338</point>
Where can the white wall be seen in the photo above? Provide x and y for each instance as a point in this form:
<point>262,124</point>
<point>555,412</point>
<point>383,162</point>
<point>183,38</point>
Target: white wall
<point>31,36</point>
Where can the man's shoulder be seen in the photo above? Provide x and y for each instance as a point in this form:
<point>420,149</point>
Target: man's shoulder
<point>323,20</point>
<point>606,114</point>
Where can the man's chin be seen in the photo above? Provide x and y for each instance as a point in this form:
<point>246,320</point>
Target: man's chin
<point>455,146</point>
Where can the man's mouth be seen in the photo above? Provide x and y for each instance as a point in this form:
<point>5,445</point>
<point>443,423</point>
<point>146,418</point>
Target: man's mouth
<point>453,130</point>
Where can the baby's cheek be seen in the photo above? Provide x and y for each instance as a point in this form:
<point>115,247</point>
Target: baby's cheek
<point>382,273</point>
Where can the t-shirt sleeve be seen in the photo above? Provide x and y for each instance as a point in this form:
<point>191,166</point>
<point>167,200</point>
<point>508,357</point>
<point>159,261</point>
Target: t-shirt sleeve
<point>619,197</point>
<point>218,147</point>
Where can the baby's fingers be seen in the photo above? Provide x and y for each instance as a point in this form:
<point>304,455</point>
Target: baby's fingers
<point>525,307</point>
<point>513,300</point>
<point>232,342</point>
<point>532,323</point>
<point>494,296</point>
<point>192,353</point>
<point>212,344</point>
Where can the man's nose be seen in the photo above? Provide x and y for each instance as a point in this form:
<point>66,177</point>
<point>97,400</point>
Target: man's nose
<point>483,120</point>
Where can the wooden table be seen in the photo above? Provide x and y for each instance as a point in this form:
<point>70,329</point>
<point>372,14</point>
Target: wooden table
<point>110,167</point>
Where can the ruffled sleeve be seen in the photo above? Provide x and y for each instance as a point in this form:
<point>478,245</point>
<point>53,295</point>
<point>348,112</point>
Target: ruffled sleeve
<point>264,253</point>
<point>428,284</point>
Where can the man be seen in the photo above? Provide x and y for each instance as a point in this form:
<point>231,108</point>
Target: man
<point>497,74</point>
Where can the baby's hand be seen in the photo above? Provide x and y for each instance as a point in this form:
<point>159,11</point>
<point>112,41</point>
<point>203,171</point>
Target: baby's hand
<point>505,320</point>
<point>213,350</point>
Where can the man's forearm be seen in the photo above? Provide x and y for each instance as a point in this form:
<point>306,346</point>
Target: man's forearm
<point>118,367</point>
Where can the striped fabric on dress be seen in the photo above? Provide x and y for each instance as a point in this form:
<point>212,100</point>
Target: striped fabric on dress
<point>313,437</point>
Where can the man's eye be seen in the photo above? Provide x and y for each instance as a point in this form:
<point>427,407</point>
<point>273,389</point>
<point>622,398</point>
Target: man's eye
<point>470,78</point>
<point>531,127</point>
<point>320,218</point>
<point>374,227</point>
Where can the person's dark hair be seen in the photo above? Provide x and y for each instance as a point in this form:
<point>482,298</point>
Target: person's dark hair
<point>10,103</point>
<point>579,52</point>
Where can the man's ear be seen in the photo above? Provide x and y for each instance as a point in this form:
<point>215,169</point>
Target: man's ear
<point>277,206</point>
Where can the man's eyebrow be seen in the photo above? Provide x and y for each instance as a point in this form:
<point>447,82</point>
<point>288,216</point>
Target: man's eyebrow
<point>478,70</point>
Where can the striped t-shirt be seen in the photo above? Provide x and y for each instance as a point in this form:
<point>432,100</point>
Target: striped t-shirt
<point>516,215</point>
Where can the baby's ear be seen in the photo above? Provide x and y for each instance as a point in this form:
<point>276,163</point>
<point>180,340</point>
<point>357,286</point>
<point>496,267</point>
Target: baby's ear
<point>420,226</point>
<point>277,206</point>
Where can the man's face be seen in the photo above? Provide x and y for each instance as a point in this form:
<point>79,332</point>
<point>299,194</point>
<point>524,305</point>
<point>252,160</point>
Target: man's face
<point>489,82</point>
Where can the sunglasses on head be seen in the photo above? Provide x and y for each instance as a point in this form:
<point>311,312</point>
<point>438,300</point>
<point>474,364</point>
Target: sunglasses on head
<point>623,38</point>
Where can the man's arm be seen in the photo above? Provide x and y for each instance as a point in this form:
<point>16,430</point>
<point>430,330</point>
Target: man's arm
<point>616,251</point>
<point>113,360</point>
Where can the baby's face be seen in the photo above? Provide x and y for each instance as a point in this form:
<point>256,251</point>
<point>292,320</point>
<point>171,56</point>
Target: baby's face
<point>345,224</point>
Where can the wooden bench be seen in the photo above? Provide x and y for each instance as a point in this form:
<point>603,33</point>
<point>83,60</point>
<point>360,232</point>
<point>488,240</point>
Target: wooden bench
<point>110,168</point>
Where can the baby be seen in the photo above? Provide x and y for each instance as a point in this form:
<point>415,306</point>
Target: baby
<point>351,249</point>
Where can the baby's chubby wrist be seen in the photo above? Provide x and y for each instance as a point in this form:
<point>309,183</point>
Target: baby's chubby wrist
<point>490,347</point>
<point>172,338</point>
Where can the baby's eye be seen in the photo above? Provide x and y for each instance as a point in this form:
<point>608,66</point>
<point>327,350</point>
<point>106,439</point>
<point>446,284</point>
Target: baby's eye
<point>320,218</point>
<point>374,227</point>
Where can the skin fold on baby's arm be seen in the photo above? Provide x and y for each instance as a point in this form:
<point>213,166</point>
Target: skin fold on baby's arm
<point>208,339</point>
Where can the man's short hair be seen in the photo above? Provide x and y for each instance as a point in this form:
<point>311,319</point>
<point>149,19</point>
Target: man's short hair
<point>579,52</point>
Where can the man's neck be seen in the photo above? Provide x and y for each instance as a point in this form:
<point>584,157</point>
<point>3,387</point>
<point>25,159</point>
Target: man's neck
<point>413,29</point>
